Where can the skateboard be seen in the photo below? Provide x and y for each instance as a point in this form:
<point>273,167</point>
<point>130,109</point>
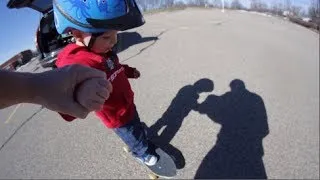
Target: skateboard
<point>165,166</point>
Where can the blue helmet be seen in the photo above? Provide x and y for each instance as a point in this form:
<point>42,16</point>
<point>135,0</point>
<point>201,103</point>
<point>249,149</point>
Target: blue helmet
<point>96,16</point>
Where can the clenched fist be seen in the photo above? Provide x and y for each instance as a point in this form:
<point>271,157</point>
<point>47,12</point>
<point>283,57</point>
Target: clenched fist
<point>92,93</point>
<point>59,90</point>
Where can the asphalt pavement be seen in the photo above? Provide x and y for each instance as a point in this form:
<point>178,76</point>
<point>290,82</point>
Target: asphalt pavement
<point>265,124</point>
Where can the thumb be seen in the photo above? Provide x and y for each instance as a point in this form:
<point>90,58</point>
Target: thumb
<point>83,73</point>
<point>109,87</point>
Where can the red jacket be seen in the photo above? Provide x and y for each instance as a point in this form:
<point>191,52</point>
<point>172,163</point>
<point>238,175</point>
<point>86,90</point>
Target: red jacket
<point>119,109</point>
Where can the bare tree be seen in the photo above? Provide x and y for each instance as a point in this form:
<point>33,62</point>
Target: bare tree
<point>258,5</point>
<point>314,10</point>
<point>180,4</point>
<point>296,10</point>
<point>277,8</point>
<point>216,3</point>
<point>154,3</point>
<point>227,5</point>
<point>303,13</point>
<point>169,3</point>
<point>287,5</point>
<point>264,7</point>
<point>254,5</point>
<point>204,2</point>
<point>236,5</point>
<point>143,4</point>
<point>163,3</point>
<point>201,2</point>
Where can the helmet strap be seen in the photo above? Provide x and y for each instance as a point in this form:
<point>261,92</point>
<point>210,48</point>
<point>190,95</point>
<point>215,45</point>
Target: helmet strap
<point>91,42</point>
<point>93,39</point>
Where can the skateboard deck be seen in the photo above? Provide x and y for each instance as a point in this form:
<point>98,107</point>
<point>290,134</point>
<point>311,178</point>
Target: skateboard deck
<point>165,166</point>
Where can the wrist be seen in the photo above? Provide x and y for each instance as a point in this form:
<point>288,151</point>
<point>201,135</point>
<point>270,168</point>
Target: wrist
<point>36,88</point>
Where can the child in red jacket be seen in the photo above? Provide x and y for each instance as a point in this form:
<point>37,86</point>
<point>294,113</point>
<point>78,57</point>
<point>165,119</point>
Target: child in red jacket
<point>94,26</point>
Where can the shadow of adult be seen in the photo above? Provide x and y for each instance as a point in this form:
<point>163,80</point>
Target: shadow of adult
<point>171,120</point>
<point>238,150</point>
<point>127,39</point>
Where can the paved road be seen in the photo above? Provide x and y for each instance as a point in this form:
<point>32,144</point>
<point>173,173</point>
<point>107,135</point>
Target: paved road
<point>266,127</point>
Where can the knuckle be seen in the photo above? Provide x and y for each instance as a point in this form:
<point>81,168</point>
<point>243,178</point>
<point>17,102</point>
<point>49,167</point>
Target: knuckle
<point>105,92</point>
<point>107,96</point>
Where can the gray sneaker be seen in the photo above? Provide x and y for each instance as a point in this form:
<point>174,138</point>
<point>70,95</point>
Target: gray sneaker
<point>148,159</point>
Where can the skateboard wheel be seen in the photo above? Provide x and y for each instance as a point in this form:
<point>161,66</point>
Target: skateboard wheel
<point>126,149</point>
<point>153,176</point>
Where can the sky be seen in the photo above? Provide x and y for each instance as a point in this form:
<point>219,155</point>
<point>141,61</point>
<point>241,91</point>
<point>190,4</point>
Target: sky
<point>18,27</point>
<point>17,30</point>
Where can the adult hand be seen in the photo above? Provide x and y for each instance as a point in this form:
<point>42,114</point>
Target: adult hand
<point>92,93</point>
<point>56,89</point>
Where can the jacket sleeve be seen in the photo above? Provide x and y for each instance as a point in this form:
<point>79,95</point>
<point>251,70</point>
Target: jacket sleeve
<point>129,71</point>
<point>67,117</point>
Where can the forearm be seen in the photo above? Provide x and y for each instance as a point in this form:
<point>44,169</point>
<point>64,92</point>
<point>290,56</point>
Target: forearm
<point>18,87</point>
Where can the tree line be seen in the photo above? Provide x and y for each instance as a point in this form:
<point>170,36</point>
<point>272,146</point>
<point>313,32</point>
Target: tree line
<point>277,7</point>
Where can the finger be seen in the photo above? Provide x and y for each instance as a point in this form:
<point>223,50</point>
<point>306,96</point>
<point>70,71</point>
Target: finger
<point>109,87</point>
<point>106,84</point>
<point>97,98</point>
<point>103,89</point>
<point>137,74</point>
<point>84,73</point>
<point>94,106</point>
<point>103,82</point>
<point>103,93</point>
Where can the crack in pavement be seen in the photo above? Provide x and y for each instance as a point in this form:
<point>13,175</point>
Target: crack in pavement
<point>143,49</point>
<point>15,132</point>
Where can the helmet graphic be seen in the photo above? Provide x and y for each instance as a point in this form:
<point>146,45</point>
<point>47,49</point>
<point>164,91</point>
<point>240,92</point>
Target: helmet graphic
<point>96,16</point>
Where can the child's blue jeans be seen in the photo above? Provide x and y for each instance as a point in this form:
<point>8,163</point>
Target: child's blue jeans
<point>134,135</point>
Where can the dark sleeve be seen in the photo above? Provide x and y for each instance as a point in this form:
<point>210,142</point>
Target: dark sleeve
<point>129,71</point>
<point>67,117</point>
